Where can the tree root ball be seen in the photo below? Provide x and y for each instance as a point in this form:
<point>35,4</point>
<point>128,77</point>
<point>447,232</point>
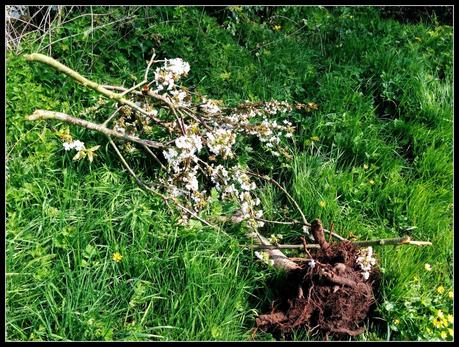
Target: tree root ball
<point>329,296</point>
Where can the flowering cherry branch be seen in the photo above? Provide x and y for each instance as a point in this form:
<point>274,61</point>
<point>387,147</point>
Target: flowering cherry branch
<point>194,140</point>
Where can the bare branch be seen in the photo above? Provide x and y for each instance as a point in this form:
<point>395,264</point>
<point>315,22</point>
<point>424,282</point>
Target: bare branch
<point>43,114</point>
<point>383,242</point>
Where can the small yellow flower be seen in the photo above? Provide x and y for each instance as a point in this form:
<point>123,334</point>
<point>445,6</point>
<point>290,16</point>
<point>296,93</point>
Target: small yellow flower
<point>437,323</point>
<point>397,321</point>
<point>371,182</point>
<point>277,27</point>
<point>322,203</point>
<point>440,290</point>
<point>117,257</point>
<point>428,267</point>
<point>444,334</point>
<point>450,318</point>
<point>440,313</point>
<point>365,166</point>
<point>451,332</point>
<point>440,322</point>
<point>451,294</point>
<point>315,138</point>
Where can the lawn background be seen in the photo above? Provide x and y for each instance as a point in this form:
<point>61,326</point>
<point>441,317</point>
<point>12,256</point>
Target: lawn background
<point>377,153</point>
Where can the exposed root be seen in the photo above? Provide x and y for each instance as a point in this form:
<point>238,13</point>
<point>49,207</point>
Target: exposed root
<point>332,297</point>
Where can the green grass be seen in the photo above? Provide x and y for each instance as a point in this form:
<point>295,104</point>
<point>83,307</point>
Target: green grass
<point>382,164</point>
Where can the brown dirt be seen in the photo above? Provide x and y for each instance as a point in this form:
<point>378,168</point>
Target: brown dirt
<point>331,299</point>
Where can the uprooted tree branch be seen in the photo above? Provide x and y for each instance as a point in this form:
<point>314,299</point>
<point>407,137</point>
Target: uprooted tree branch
<point>193,140</point>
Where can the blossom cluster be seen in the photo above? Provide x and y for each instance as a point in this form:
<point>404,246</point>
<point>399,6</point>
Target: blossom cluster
<point>366,261</point>
<point>220,142</point>
<point>165,80</point>
<point>246,120</point>
<point>169,73</point>
<point>210,106</point>
<point>235,183</point>
<point>131,122</point>
<point>77,145</point>
<point>180,98</point>
<point>183,166</point>
<point>275,238</point>
<point>201,152</point>
<point>270,133</point>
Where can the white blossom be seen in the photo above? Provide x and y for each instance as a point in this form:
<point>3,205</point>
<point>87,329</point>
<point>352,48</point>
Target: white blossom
<point>119,129</point>
<point>220,142</point>
<point>169,73</point>
<point>67,146</point>
<point>366,261</point>
<point>192,143</point>
<point>177,66</point>
<point>259,214</point>
<point>175,191</point>
<point>211,107</point>
<point>192,182</point>
<point>170,154</point>
<point>178,98</point>
<point>77,145</point>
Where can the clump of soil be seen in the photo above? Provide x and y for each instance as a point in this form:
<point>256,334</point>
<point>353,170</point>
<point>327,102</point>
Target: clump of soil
<point>329,296</point>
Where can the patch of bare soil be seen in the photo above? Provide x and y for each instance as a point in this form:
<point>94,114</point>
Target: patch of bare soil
<point>329,296</point>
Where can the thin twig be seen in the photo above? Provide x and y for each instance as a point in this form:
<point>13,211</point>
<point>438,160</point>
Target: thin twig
<point>111,117</point>
<point>279,246</point>
<point>305,222</point>
<point>140,84</point>
<point>305,246</point>
<point>126,165</point>
<point>276,221</point>
<point>121,89</point>
<point>145,79</point>
<point>383,242</point>
<point>179,121</point>
<point>149,65</point>
<point>272,180</point>
<point>154,156</point>
<point>136,92</point>
<point>189,113</point>
<point>406,240</point>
